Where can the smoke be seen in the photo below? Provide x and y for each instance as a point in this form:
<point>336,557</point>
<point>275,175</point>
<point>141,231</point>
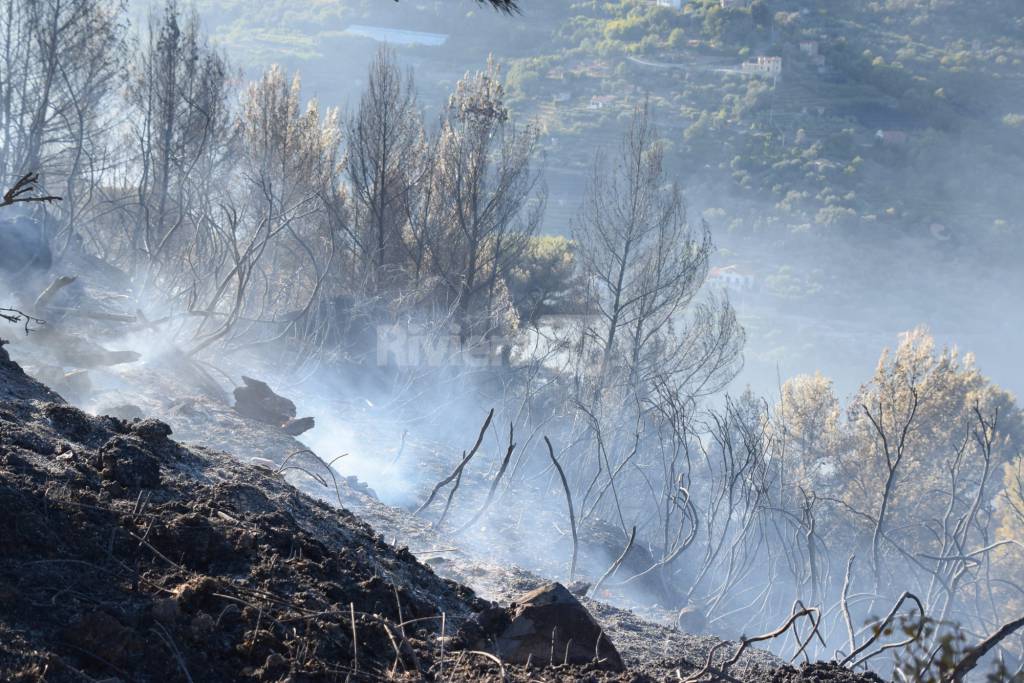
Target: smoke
<point>722,525</point>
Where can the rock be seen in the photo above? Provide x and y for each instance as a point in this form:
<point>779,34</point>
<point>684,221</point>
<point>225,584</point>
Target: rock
<point>124,411</point>
<point>258,401</point>
<point>547,626</point>
<point>299,426</point>
<point>691,619</point>
<point>151,431</point>
<point>124,462</point>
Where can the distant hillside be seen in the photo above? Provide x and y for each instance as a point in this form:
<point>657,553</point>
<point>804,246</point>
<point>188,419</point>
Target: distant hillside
<point>942,80</point>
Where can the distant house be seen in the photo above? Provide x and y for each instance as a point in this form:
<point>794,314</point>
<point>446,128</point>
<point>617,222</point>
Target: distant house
<point>601,101</point>
<point>396,36</point>
<point>894,138</point>
<point>597,69</point>
<point>674,4</point>
<point>809,48</point>
<point>735,4</point>
<point>733,278</point>
<point>765,66</point>
<point>556,74</point>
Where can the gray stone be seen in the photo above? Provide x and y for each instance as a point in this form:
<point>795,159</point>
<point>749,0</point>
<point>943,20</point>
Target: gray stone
<point>549,626</point>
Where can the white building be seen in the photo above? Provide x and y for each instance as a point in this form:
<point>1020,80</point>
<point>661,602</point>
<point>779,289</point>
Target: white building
<point>674,4</point>
<point>764,66</point>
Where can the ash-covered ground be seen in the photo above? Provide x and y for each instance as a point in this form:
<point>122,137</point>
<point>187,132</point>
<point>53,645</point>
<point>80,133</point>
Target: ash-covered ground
<point>125,555</point>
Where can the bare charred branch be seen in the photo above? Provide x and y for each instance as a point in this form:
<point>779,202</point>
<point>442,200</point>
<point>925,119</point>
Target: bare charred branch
<point>974,655</point>
<point>457,472</point>
<point>497,480</point>
<point>23,192</point>
<point>14,316</point>
<point>610,572</point>
<point>572,511</point>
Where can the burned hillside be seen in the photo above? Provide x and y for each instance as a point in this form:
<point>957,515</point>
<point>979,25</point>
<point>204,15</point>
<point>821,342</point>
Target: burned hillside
<point>431,381</point>
<point>125,554</point>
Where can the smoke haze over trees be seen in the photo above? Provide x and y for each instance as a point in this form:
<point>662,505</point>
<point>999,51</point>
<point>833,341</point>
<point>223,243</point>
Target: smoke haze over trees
<point>547,261</point>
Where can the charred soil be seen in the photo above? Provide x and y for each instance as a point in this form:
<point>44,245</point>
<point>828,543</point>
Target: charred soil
<point>125,555</point>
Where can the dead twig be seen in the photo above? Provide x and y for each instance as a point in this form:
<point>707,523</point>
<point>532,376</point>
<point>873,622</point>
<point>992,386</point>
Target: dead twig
<point>616,564</point>
<point>441,664</point>
<point>809,612</point>
<point>162,633</point>
<point>284,467</point>
<point>13,315</point>
<point>448,500</point>
<point>879,629</point>
<point>497,480</point>
<point>572,512</point>
<point>488,655</point>
<point>401,449</point>
<point>355,640</point>
<point>458,470</point>
<point>844,602</point>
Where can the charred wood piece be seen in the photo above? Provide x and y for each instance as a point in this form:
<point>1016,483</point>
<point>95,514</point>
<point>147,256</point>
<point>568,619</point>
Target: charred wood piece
<point>256,400</point>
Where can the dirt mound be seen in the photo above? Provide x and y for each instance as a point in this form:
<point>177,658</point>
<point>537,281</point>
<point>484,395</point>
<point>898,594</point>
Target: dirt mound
<point>124,554</point>
<point>821,672</point>
<point>16,385</point>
